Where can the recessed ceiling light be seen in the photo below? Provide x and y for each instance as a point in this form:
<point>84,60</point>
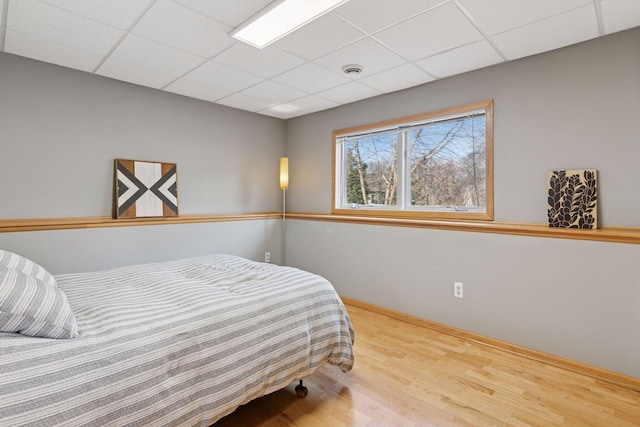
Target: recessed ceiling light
<point>281,18</point>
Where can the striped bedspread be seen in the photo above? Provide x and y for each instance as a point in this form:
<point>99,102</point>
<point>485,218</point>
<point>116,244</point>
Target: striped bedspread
<point>179,343</point>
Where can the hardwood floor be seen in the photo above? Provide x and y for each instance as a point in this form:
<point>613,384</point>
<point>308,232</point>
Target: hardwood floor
<point>407,375</point>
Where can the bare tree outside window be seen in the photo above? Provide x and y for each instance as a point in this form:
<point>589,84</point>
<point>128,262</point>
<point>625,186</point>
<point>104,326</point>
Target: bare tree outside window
<point>375,167</point>
<point>447,163</point>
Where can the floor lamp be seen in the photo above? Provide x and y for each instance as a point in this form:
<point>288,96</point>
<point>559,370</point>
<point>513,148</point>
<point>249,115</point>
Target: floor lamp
<point>284,185</point>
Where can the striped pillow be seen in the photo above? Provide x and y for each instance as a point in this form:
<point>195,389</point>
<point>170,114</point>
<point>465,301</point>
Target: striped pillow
<point>29,306</point>
<point>23,265</point>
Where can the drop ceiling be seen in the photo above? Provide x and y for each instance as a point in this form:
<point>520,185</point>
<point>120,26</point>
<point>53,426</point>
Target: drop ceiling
<point>184,47</point>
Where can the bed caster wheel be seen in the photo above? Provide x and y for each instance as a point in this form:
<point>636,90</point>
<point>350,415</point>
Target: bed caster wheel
<point>301,391</point>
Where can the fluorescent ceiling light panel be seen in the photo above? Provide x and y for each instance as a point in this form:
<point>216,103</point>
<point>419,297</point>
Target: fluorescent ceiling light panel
<point>281,18</point>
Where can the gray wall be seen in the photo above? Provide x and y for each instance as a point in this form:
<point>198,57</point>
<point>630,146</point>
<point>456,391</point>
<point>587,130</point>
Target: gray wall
<point>574,108</point>
<point>101,248</point>
<point>60,131</point>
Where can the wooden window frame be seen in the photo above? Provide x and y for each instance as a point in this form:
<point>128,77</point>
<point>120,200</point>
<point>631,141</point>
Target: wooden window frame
<point>488,215</point>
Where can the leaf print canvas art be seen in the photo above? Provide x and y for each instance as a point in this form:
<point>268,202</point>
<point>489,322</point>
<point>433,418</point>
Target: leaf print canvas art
<point>573,199</point>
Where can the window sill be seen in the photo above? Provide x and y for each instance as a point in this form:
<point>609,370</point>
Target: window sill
<point>409,215</point>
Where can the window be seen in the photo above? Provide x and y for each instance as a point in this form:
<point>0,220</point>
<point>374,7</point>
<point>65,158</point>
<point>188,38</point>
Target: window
<point>435,165</point>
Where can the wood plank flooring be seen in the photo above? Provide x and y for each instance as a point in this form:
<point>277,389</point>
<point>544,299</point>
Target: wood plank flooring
<point>407,375</point>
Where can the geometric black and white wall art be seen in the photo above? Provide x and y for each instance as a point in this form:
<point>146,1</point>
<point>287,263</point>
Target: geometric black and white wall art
<point>145,189</point>
<point>573,199</point>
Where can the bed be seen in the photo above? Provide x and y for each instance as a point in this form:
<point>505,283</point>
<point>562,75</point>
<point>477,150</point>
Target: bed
<point>179,343</point>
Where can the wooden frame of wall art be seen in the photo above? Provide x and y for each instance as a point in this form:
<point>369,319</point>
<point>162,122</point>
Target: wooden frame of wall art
<point>573,199</point>
<point>145,189</point>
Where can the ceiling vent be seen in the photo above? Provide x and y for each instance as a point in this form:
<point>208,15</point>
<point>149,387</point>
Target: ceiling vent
<point>352,70</point>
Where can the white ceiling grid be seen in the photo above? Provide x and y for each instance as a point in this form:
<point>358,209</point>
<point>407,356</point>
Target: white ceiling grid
<point>184,47</point>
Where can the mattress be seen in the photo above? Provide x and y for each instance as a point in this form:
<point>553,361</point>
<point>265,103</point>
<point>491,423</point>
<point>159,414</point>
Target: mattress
<point>180,343</point>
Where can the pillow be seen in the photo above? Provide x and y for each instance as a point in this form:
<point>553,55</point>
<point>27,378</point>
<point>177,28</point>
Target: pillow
<point>29,306</point>
<point>23,265</point>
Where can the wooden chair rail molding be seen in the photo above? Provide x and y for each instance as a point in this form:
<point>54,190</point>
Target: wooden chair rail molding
<point>550,359</point>
<point>606,234</point>
<point>12,225</point>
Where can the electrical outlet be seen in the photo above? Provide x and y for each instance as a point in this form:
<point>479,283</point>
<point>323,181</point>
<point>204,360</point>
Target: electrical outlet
<point>457,289</point>
<point>267,257</point>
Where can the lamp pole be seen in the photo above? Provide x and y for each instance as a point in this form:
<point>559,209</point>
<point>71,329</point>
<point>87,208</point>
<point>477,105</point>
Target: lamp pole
<point>284,185</point>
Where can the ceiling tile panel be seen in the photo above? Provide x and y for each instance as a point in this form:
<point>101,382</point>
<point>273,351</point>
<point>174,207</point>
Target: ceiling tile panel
<point>367,52</point>
<point>460,60</point>
<point>42,50</point>
<point>440,29</point>
<point>121,14</point>
<point>244,102</point>
<point>320,37</point>
<point>272,92</point>
<point>148,54</point>
<point>312,103</point>
<point>231,13</point>
<point>45,22</point>
<point>282,111</point>
<point>350,92</point>
<point>133,74</point>
<point>197,90</point>
<point>496,16</point>
<point>402,77</point>
<point>222,77</point>
<point>311,78</point>
<point>374,15</point>
<point>619,15</point>
<point>553,33</point>
<point>171,24</point>
<point>265,62</point>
